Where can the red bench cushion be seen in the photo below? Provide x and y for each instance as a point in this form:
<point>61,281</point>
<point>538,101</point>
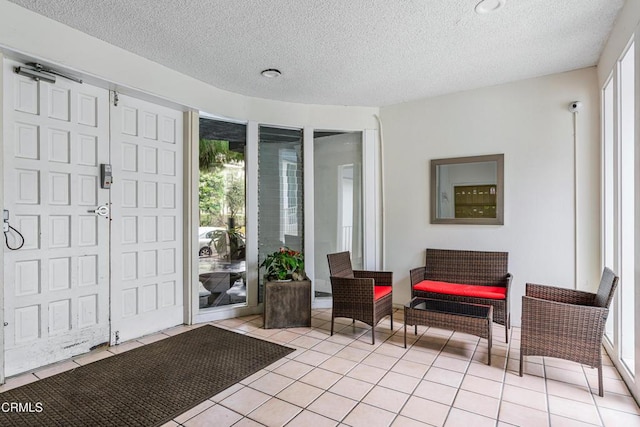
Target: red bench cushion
<point>380,291</point>
<point>489,292</point>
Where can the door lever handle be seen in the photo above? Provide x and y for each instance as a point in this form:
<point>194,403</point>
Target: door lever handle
<point>102,210</point>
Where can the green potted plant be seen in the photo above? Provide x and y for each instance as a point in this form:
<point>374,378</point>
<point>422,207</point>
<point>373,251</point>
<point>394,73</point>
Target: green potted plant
<point>287,290</point>
<point>284,264</point>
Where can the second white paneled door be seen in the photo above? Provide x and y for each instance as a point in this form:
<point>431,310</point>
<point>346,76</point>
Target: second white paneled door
<point>146,234</point>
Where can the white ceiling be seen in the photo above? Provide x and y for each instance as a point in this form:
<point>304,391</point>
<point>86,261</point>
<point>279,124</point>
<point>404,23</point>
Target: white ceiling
<point>348,52</point>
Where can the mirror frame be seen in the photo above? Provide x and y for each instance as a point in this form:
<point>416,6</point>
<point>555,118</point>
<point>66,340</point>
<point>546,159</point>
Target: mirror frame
<point>499,219</point>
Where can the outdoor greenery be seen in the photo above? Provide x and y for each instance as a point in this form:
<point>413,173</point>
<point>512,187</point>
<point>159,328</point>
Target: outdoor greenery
<point>284,264</point>
<point>214,193</point>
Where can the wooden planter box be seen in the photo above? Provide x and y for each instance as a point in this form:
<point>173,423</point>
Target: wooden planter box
<point>287,304</point>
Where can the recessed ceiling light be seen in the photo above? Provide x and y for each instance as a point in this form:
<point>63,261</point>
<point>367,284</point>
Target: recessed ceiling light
<point>488,6</point>
<point>270,73</point>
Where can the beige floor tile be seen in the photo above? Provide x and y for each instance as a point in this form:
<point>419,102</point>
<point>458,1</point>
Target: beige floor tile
<point>380,361</point>
<point>353,354</point>
<point>573,409</point>
<point>284,337</point>
<point>569,391</point>
<point>444,376</point>
<point>313,358</point>
<point>425,411</point>
<point>247,422</point>
<point>396,350</point>
<point>216,415</point>
<point>566,365</point>
<point>402,421</point>
<point>124,347</point>
<point>525,397</point>
<point>364,415</point>
<point>461,351</point>
<point>56,369</point>
<point>332,406</point>
<point>399,382</point>
<point>148,339</point>
<point>437,392</point>
<point>328,347</point>
<point>271,383</point>
<point>305,341</point>
<point>338,365</point>
<point>477,403</point>
<point>17,381</point>
<point>340,339</point>
<point>92,357</point>
<point>293,369</point>
<point>610,385</point>
<point>170,424</point>
<point>420,356</point>
<point>451,363</point>
<point>177,330</point>
<point>617,402</point>
<point>482,386</point>
<point>522,416</point>
<point>385,398</point>
<point>227,392</point>
<point>367,373</point>
<point>254,377</point>
<point>412,369</point>
<point>558,421</point>
<point>311,419</point>
<point>194,411</point>
<point>300,394</point>
<point>460,418</point>
<point>351,388</point>
<point>526,381</point>
<point>571,377</point>
<point>321,378</point>
<point>485,371</point>
<point>613,418</point>
<point>275,412</point>
<point>245,400</point>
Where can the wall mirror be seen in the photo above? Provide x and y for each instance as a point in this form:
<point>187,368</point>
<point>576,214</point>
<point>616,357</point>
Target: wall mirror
<point>468,190</point>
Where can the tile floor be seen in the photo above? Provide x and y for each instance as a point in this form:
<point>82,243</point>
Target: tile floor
<point>441,379</point>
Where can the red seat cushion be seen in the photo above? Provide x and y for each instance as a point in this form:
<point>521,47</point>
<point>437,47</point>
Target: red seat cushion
<point>380,291</point>
<point>489,292</point>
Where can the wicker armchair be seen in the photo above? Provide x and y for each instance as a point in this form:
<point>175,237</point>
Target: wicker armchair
<point>359,295</point>
<point>567,324</point>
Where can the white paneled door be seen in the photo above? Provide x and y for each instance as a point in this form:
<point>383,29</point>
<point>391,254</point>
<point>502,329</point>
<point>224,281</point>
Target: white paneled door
<point>56,286</point>
<point>83,279</point>
<point>146,147</point>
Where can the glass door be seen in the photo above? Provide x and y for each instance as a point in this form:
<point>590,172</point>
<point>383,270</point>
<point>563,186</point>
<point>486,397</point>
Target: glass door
<point>221,232</point>
<point>280,193</point>
<point>338,190</point>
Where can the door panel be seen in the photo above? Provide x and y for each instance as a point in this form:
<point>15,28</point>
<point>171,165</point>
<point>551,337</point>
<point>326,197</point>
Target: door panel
<point>146,153</point>
<point>56,286</point>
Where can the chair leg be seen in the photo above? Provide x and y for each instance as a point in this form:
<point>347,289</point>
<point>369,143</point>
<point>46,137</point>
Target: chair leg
<point>332,324</point>
<point>507,326</point>
<point>392,321</point>
<point>600,385</point>
<point>521,362</point>
<point>373,335</point>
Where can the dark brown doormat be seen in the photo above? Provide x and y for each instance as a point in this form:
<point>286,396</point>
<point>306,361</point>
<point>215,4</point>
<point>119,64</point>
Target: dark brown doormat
<point>146,386</point>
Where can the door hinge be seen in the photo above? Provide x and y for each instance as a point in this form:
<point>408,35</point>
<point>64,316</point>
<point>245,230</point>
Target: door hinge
<point>117,338</point>
<point>115,98</point>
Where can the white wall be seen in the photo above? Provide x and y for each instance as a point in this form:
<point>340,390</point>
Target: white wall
<point>626,23</point>
<point>529,122</point>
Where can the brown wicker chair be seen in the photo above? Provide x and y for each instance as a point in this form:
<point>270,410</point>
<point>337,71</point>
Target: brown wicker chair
<point>359,295</point>
<point>567,324</point>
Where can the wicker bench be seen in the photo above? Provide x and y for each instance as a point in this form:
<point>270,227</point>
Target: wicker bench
<point>475,277</point>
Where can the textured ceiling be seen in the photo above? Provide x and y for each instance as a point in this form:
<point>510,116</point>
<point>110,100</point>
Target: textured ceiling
<point>348,52</point>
